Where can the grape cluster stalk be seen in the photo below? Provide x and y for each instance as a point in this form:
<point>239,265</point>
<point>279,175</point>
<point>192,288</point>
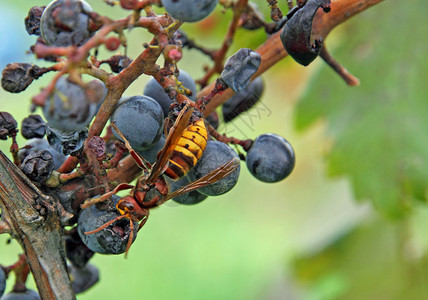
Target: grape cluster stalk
<point>88,139</point>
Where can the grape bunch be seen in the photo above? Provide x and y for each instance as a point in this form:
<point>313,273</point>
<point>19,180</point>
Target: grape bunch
<point>161,144</point>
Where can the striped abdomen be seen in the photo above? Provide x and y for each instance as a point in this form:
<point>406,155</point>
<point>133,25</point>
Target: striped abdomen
<point>189,149</point>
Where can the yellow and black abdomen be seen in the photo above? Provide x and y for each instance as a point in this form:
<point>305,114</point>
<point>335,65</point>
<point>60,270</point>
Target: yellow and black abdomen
<point>189,149</point>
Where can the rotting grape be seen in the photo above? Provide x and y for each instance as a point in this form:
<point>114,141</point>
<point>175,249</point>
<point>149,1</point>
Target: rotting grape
<point>41,144</point>
<point>8,125</point>
<point>140,119</point>
<point>33,126</point>
<point>296,36</point>
<point>215,155</point>
<point>252,18</point>
<point>110,240</point>
<point>16,77</point>
<point>270,158</point>
<point>38,165</point>
<point>66,142</point>
<point>189,10</point>
<point>32,21</point>
<point>239,68</point>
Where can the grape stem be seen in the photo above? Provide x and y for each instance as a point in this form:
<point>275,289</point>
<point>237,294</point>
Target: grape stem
<point>245,144</point>
<point>343,72</point>
<point>275,12</point>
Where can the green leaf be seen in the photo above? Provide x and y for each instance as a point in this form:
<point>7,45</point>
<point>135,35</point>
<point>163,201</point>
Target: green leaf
<point>376,260</point>
<point>380,129</point>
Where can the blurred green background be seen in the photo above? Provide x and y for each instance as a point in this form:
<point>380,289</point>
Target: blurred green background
<point>349,223</point>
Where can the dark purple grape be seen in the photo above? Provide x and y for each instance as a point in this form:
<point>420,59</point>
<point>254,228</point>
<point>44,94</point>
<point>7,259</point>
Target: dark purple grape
<point>190,198</point>
<point>33,126</point>
<point>155,90</point>
<point>110,240</point>
<point>83,278</point>
<point>140,119</point>
<point>244,100</point>
<point>215,155</point>
<point>151,154</point>
<point>270,158</point>
<point>27,295</point>
<point>71,107</point>
<point>66,142</point>
<point>38,165</point>
<point>77,252</point>
<point>41,144</point>
<point>239,68</point>
<point>297,34</point>
<point>7,125</point>
<point>66,23</point>
<point>189,10</point>
<point>2,281</point>
<point>32,21</point>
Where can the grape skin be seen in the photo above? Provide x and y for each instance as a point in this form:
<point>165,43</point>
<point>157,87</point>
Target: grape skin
<point>27,295</point>
<point>189,10</point>
<point>69,108</point>
<point>140,119</point>
<point>216,154</point>
<point>270,158</point>
<point>190,198</point>
<point>152,154</point>
<point>73,15</point>
<point>83,278</point>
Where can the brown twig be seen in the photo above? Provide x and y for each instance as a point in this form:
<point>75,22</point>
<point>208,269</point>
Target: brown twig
<point>29,227</point>
<point>272,51</point>
<point>344,73</point>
